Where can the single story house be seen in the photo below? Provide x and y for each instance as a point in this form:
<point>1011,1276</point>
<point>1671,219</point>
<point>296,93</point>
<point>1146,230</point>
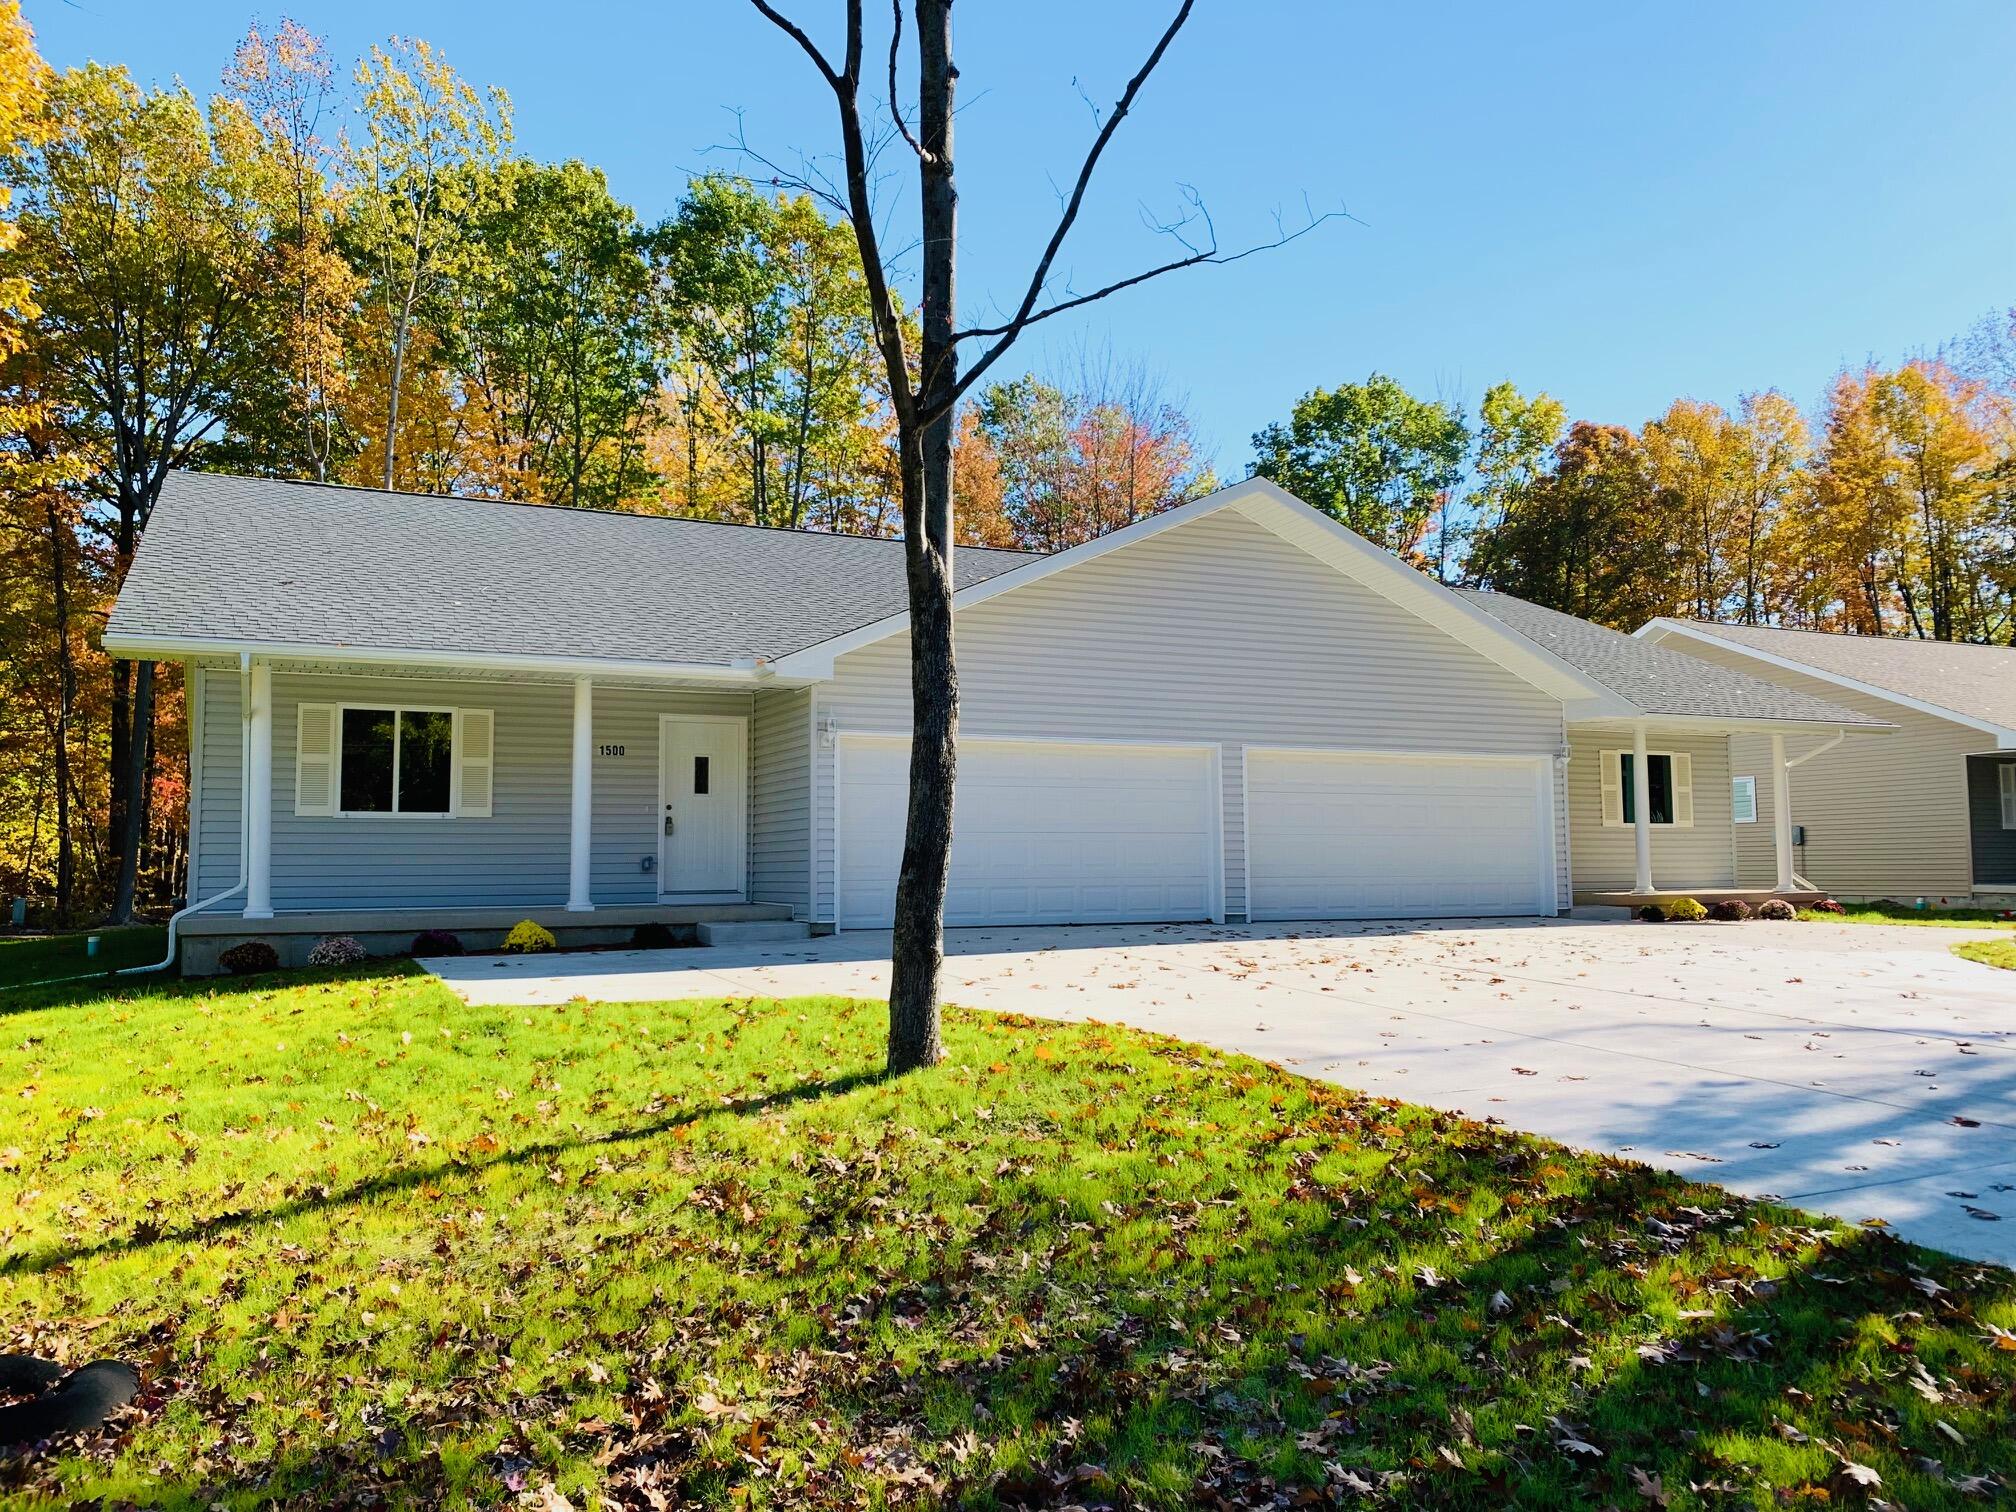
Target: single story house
<point>415,710</point>
<point>1929,812</point>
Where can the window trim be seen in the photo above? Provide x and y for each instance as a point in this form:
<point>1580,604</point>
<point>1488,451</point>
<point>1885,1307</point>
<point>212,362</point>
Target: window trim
<point>398,711</point>
<point>1625,754</point>
<point>1747,782</point>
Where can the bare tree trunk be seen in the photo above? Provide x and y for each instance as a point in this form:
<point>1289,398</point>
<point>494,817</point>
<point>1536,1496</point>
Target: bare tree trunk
<point>66,700</point>
<point>132,783</point>
<point>919,945</point>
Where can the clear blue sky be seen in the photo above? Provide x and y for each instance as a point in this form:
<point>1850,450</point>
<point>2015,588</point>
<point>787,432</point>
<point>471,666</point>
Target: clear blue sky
<point>1616,202</point>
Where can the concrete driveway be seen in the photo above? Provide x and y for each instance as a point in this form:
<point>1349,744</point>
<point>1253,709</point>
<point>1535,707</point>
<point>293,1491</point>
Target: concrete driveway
<point>1858,1070</point>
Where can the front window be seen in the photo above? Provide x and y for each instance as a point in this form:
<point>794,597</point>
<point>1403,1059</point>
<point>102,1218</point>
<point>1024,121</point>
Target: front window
<point>396,761</point>
<point>1659,768</point>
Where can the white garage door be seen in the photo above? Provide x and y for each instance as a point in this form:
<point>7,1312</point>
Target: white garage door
<point>1347,836</point>
<point>1042,833</point>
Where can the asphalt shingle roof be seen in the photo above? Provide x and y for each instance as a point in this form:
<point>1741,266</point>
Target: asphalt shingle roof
<point>1657,680</point>
<point>1978,681</point>
<point>316,565</point>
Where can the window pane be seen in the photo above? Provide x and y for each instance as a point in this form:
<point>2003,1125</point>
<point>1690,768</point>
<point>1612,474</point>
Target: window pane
<point>367,761</point>
<point>425,740</point>
<point>1661,774</point>
<point>700,775</point>
<point>1660,768</point>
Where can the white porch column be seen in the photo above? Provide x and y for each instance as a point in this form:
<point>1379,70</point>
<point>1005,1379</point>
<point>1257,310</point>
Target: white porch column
<point>1781,812</point>
<point>580,830</point>
<point>1641,808</point>
<point>259,799</point>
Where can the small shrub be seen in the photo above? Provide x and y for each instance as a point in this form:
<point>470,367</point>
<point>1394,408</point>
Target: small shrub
<point>249,958</point>
<point>1652,913</point>
<point>527,938</point>
<point>652,936</point>
<point>338,950</point>
<point>1776,908</point>
<point>1686,911</point>
<point>1827,906</point>
<point>1729,910</point>
<point>437,942</point>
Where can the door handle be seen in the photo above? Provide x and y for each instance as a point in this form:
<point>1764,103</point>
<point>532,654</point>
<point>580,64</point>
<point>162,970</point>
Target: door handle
<point>668,819</point>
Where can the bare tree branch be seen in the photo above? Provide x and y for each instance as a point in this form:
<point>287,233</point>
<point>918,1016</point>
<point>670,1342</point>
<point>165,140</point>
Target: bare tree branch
<point>1205,255</point>
<point>792,30</point>
<point>895,108</point>
<point>1041,276</point>
<point>846,85</point>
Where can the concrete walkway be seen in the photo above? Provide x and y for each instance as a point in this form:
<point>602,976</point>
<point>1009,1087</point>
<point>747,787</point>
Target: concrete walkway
<point>1857,1070</point>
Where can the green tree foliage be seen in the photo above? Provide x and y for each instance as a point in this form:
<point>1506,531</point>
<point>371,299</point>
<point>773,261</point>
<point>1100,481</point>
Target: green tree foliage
<point>554,333</point>
<point>777,353</point>
<point>1370,454</point>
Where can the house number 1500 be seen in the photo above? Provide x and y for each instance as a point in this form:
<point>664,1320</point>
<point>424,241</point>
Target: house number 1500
<point>609,750</point>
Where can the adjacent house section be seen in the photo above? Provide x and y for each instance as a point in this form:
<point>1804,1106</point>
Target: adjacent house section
<point>1929,811</point>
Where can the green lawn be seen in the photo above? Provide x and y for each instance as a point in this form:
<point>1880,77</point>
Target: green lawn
<point>1989,952</point>
<point>368,1242</point>
<point>1883,912</point>
<point>35,958</point>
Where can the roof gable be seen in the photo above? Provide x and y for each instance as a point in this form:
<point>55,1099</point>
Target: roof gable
<point>1310,530</point>
<point>1969,685</point>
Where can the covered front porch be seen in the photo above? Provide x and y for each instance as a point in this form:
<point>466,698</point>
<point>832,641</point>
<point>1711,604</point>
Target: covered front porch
<point>380,799</point>
<point>1682,840</point>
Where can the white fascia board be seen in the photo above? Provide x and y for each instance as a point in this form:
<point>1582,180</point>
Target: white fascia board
<point>139,648</point>
<point>1724,724</point>
<point>1657,630</point>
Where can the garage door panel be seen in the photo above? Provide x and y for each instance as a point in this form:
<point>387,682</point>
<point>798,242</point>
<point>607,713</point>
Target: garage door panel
<point>1335,835</point>
<point>1042,833</point>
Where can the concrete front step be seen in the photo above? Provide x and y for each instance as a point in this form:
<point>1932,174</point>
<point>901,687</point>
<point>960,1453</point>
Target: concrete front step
<point>751,931</point>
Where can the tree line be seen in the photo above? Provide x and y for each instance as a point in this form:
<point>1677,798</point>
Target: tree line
<point>1890,510</point>
<point>351,275</point>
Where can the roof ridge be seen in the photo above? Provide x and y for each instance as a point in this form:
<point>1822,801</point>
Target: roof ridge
<point>581,509</point>
<point>1848,635</point>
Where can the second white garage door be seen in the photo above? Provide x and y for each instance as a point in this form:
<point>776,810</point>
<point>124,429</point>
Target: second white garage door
<point>1043,833</point>
<point>1335,835</point>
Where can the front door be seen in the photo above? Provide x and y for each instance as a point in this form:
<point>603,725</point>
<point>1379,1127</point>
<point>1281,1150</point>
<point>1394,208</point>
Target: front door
<point>703,827</point>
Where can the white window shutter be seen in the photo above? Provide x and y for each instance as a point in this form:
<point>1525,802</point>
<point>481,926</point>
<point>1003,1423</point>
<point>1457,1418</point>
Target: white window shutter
<point>1613,787</point>
<point>2007,778</point>
<point>314,758</point>
<point>1683,790</point>
<point>475,762</point>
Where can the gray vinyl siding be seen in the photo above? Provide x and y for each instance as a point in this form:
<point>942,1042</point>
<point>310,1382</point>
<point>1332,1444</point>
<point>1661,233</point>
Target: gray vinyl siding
<point>1885,813</point>
<point>1218,633</point>
<point>1702,855</point>
<point>517,856</point>
<point>780,794</point>
<point>215,807</point>
<point>1994,846</point>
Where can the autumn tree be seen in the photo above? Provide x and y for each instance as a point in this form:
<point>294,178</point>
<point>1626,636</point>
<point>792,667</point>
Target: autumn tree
<point>287,418</point>
<point>1587,537</point>
<point>145,226</point>
<point>927,379</point>
<point>424,165</point>
<point>1073,464</point>
<point>1369,454</point>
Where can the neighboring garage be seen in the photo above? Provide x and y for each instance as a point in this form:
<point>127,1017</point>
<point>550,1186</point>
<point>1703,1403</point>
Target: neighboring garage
<point>1359,835</point>
<point>1045,832</point>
